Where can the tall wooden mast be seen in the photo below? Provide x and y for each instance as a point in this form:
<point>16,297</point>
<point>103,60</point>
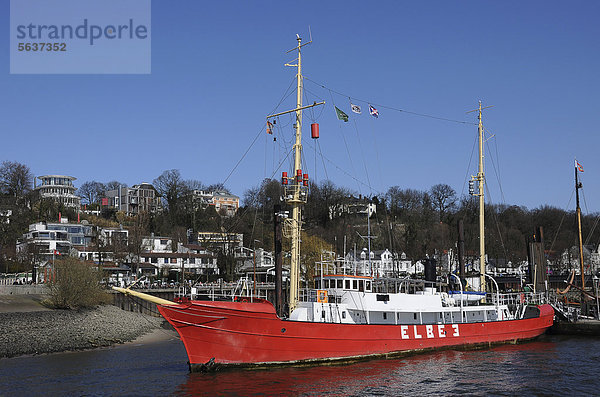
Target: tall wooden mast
<point>296,192</point>
<point>577,187</point>
<point>297,201</point>
<point>480,178</point>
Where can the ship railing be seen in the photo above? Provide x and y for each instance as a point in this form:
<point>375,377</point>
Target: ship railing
<point>518,299</point>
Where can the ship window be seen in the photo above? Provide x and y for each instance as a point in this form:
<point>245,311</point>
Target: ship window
<point>415,315</point>
<point>368,285</point>
<point>317,284</point>
<point>339,283</point>
<point>343,314</point>
<point>354,284</point>
<point>361,285</point>
<point>384,315</point>
<point>323,314</point>
<point>347,284</point>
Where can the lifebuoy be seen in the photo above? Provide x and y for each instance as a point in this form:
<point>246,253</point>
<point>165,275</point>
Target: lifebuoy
<point>322,296</point>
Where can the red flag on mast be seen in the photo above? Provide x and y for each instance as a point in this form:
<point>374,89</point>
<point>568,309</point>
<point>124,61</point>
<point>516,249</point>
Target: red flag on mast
<point>578,166</point>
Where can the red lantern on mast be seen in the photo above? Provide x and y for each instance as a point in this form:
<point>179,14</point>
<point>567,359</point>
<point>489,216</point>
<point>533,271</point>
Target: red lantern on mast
<point>314,130</point>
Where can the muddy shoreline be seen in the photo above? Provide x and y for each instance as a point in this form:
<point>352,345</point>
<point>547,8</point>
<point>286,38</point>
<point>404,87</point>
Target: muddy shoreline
<point>50,331</point>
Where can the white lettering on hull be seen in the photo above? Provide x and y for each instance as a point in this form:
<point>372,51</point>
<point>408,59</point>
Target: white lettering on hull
<point>404,331</point>
<point>417,336</point>
<point>456,333</point>
<point>430,332</point>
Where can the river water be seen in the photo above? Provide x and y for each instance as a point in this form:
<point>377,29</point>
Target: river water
<point>551,365</point>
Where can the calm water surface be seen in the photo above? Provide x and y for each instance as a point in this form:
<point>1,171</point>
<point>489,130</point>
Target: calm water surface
<point>552,365</point>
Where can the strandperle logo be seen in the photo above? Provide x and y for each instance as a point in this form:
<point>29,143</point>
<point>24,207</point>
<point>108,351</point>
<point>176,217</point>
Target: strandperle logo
<point>85,31</point>
<point>80,37</point>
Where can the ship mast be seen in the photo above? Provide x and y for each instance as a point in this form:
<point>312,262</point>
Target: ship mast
<point>296,186</point>
<point>297,199</point>
<point>480,178</point>
<point>578,185</point>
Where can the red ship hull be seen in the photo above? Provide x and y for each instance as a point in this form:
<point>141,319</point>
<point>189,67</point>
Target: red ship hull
<point>234,333</point>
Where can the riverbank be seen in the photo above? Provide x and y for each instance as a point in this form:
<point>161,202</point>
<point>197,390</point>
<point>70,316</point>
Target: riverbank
<point>24,330</point>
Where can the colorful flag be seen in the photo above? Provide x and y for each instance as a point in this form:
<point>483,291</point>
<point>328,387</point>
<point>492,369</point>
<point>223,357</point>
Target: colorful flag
<point>355,108</point>
<point>269,127</point>
<point>341,115</point>
<point>373,112</point>
<point>578,166</point>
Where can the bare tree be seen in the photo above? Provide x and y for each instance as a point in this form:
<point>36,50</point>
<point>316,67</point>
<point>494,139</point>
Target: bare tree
<point>171,187</point>
<point>114,185</point>
<point>217,187</point>
<point>193,184</point>
<point>444,198</point>
<point>91,191</point>
<point>15,179</point>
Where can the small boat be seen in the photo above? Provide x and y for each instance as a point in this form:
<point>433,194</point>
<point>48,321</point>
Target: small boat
<point>467,296</point>
<point>348,316</point>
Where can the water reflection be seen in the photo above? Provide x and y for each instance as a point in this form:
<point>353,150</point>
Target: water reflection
<point>549,366</point>
<point>472,372</point>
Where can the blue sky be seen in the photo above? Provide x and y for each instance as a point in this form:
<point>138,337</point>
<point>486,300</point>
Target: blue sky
<point>218,70</point>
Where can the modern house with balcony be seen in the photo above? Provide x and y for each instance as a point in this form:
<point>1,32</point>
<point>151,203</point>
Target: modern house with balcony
<point>40,244</point>
<point>135,199</point>
<point>60,189</point>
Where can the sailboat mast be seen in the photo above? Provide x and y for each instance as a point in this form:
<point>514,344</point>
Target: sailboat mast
<point>480,179</point>
<point>577,186</point>
<point>296,201</point>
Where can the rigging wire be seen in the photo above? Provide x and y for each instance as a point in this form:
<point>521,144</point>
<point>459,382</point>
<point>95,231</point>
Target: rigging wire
<point>322,160</point>
<point>362,153</point>
<point>562,220</point>
<point>469,167</point>
<point>344,139</point>
<point>285,95</point>
<point>358,181</point>
<point>496,169</point>
<point>489,195</point>
<point>390,107</point>
<point>591,232</point>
